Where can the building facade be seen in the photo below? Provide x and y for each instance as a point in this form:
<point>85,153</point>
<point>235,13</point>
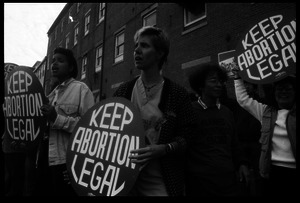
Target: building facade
<point>101,37</point>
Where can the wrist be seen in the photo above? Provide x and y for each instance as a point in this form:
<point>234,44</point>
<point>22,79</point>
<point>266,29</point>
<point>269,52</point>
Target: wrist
<point>53,117</point>
<point>169,148</point>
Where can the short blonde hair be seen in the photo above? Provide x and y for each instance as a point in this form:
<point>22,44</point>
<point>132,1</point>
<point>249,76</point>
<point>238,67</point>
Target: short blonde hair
<point>159,39</point>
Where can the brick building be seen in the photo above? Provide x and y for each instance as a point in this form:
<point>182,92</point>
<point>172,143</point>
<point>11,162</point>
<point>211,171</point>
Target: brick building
<point>101,37</point>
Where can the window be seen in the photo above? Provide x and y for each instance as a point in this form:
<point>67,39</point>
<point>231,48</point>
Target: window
<point>67,40</point>
<point>194,14</point>
<point>49,63</point>
<point>76,31</point>
<point>150,19</point>
<point>83,67</point>
<point>55,33</point>
<point>50,41</point>
<point>78,7</point>
<point>69,18</point>
<point>86,24</point>
<point>98,64</point>
<point>62,25</point>
<point>101,12</point>
<point>119,47</point>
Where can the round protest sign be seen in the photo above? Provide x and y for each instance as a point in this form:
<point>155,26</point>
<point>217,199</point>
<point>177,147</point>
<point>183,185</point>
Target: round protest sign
<point>98,150</point>
<point>267,51</point>
<point>23,97</point>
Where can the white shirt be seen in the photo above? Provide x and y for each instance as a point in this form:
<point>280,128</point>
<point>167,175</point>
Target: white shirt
<point>150,181</point>
<point>282,152</point>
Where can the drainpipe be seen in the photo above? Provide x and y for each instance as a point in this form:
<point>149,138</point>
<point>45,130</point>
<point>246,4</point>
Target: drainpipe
<point>103,51</point>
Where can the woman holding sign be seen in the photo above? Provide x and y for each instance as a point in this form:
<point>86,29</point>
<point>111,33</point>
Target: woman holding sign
<point>167,115</point>
<point>278,134</point>
<point>68,102</point>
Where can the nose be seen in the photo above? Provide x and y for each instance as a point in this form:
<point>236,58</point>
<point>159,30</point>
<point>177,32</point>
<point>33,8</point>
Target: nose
<point>219,83</point>
<point>137,49</point>
<point>53,62</point>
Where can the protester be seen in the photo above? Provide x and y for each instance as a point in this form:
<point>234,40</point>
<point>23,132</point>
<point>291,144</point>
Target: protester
<point>214,159</point>
<point>19,165</point>
<point>167,115</point>
<point>68,102</point>
<point>277,162</point>
<point>2,193</point>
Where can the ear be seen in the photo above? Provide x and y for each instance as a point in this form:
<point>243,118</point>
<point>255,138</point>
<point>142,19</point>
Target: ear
<point>70,69</point>
<point>160,54</point>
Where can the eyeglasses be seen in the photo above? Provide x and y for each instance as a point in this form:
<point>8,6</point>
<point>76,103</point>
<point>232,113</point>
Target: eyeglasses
<point>216,81</point>
<point>287,88</point>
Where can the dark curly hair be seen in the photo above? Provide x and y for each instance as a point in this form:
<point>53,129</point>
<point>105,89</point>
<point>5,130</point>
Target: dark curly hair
<point>198,76</point>
<point>70,57</point>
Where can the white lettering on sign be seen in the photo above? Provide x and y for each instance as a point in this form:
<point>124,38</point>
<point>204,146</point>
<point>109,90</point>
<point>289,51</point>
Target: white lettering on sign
<point>109,177</point>
<point>23,105</point>
<point>260,44</point>
<point>19,82</point>
<point>20,109</point>
<point>22,129</point>
<point>84,142</point>
<point>125,119</point>
<point>104,142</point>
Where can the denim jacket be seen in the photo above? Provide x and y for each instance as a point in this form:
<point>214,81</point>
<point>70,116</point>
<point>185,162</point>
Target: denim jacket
<point>73,100</point>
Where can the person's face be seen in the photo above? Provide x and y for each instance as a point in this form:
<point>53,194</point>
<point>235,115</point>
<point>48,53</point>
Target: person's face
<point>145,55</point>
<point>285,95</point>
<point>60,67</point>
<point>213,86</point>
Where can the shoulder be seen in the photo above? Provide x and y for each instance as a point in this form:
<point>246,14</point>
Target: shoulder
<point>226,109</point>
<point>76,84</point>
<point>125,87</point>
<point>268,110</point>
<point>175,87</point>
<point>196,105</point>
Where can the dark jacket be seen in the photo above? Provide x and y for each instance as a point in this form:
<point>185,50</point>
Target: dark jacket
<point>268,124</point>
<point>176,107</point>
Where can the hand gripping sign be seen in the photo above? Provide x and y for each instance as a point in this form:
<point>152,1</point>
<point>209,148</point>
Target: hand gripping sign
<point>97,155</point>
<point>267,52</point>
<point>24,122</point>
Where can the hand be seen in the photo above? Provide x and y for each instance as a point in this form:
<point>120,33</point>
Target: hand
<point>66,177</point>
<point>235,72</point>
<point>244,174</point>
<point>144,155</point>
<point>49,112</point>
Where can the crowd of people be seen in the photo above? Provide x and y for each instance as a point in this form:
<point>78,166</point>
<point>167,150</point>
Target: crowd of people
<point>194,147</point>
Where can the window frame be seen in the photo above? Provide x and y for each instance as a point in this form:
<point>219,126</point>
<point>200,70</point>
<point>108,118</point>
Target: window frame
<point>154,11</point>
<point>185,12</point>
<point>62,25</point>
<point>76,35</point>
<point>98,67</point>
<point>119,57</point>
<point>84,66</point>
<point>78,7</point>
<point>87,22</point>
<point>67,40</point>
<point>69,20</point>
<point>101,12</point>
<point>55,33</point>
